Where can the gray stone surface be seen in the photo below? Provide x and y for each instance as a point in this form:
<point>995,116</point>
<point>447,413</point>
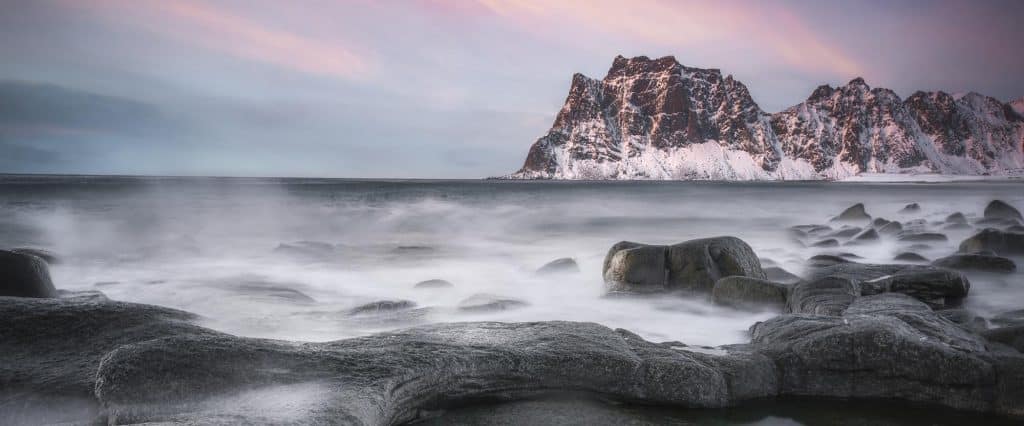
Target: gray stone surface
<point>689,266</point>
<point>999,242</point>
<point>746,292</point>
<point>976,262</point>
<point>24,275</point>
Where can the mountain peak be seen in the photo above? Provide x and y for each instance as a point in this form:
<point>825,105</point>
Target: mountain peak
<point>623,66</point>
<point>858,82</point>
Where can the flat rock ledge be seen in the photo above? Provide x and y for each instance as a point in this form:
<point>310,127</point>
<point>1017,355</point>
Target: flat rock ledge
<point>132,363</point>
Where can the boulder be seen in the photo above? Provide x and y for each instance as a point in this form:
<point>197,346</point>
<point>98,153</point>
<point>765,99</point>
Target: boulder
<point>779,275</point>
<point>381,306</point>
<point>1009,318</point>
<point>689,266</point>
<point>910,208</point>
<point>938,287</point>
<point>1011,335</point>
<point>845,232</point>
<point>998,209</point>
<point>868,235</point>
<point>853,213</point>
<point>435,283</point>
<point>976,262</point>
<point>24,275</point>
<point>746,292</point>
<point>909,256</point>
<point>48,256</point>
<point>559,266</point>
<point>879,222</point>
<point>994,240</point>
<point>957,218</point>
<point>823,296</point>
<point>965,318</point>
<point>823,260</point>
<point>483,302</point>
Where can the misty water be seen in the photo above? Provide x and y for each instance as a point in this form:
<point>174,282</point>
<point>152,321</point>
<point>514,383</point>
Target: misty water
<point>213,246</point>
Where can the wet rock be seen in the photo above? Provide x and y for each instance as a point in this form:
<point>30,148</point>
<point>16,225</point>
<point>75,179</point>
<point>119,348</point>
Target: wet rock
<point>957,226</point>
<point>812,229</point>
<point>887,346</point>
<point>564,265</point>
<point>1009,318</point>
<point>779,275</point>
<point>938,287</point>
<point>823,296</point>
<point>48,256</point>
<point>923,236</point>
<point>1012,336</point>
<point>976,262</point>
<point>831,242</point>
<point>998,209</point>
<point>891,228</point>
<point>1016,229</point>
<point>845,232</point>
<point>263,289</point>
<point>914,226</point>
<point>24,275</point>
<point>745,292</point>
<point>990,222</point>
<point>689,266</point>
<point>910,208</point>
<point>435,283</point>
<point>94,296</point>
<point>956,218</point>
<point>855,212</point>
<point>994,240</point>
<point>482,302</point>
<point>965,318</point>
<point>381,306</point>
<point>919,247</point>
<point>879,222</point>
<point>823,260</point>
<point>868,235</point>
<point>910,256</point>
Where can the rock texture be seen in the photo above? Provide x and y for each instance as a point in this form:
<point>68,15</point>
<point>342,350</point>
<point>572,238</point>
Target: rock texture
<point>24,275</point>
<point>692,266</point>
<point>657,119</point>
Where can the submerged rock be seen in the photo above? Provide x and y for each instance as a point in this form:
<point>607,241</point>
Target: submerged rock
<point>559,266</point>
<point>957,218</point>
<point>923,236</point>
<point>908,256</point>
<point>994,240</point>
<point>48,256</point>
<point>482,302</point>
<point>855,212</point>
<point>382,306</point>
<point>435,283</point>
<point>891,228</point>
<point>746,292</point>
<point>690,266</point>
<point>866,236</point>
<point>1011,335</point>
<point>910,208</point>
<point>1009,318</point>
<point>24,275</point>
<point>308,250</point>
<point>823,260</point>
<point>845,232</point>
<point>831,242</point>
<point>998,209</point>
<point>938,287</point>
<point>976,262</point>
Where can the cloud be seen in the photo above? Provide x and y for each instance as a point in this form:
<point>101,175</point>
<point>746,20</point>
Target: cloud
<point>228,31</point>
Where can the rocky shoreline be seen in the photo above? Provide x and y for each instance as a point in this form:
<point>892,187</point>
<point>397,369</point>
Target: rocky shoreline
<point>845,329</point>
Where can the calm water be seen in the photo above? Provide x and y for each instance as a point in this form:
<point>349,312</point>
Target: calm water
<point>210,246</point>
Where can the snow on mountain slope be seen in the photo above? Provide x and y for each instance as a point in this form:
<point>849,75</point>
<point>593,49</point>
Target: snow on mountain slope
<point>657,119</point>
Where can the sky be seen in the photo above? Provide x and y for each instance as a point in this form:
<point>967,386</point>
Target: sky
<point>427,88</point>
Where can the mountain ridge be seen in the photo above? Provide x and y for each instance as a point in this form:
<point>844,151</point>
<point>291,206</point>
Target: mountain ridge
<point>658,119</point>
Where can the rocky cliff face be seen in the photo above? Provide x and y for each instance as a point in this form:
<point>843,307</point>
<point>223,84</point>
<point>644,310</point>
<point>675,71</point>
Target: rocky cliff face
<point>657,119</point>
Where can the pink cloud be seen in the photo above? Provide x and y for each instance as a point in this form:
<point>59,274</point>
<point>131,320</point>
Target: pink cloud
<point>680,24</point>
<point>220,29</point>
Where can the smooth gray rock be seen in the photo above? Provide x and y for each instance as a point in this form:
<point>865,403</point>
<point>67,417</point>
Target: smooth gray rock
<point>746,292</point>
<point>823,296</point>
<point>845,232</point>
<point>779,275</point>
<point>855,212</point>
<point>965,318</point>
<point>50,257</point>
<point>910,208</point>
<point>891,228</point>
<point>435,283</point>
<point>923,237</point>
<point>909,256</point>
<point>976,262</point>
<point>1011,335</point>
<point>869,235</point>
<point>381,306</point>
<point>998,209</point>
<point>823,260</point>
<point>830,242</point>
<point>692,266</point>
<point>1009,318</point>
<point>24,275</point>
<point>994,240</point>
<point>565,265</point>
<point>956,218</point>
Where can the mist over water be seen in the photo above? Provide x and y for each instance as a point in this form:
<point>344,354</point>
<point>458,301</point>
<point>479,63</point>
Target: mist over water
<point>214,246</point>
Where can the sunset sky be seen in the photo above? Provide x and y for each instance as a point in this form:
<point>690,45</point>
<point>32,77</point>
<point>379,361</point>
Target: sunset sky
<point>431,88</point>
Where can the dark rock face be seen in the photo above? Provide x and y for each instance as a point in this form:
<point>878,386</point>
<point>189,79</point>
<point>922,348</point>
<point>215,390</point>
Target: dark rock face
<point>891,228</point>
<point>690,266</point>
<point>657,107</point>
<point>1012,336</point>
<point>957,218</point>
<point>745,292</point>
<point>923,237</point>
<point>779,275</point>
<point>830,242</point>
<point>885,346</point>
<point>855,212</point>
<point>823,260</point>
<point>559,266</point>
<point>1009,318</point>
<point>998,209</point>
<point>976,262</point>
<point>910,257</point>
<point>24,275</point>
<point>435,283</point>
<point>994,240</point>
<point>482,302</point>
<point>48,256</point>
<point>911,208</point>
<point>866,236</point>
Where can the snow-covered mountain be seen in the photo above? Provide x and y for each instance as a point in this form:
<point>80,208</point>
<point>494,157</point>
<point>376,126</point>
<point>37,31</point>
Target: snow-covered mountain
<point>657,119</point>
